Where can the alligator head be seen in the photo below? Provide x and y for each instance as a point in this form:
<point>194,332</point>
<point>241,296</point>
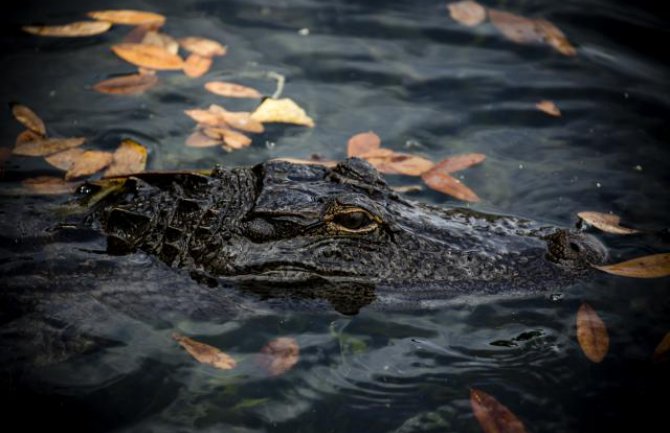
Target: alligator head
<point>281,222</point>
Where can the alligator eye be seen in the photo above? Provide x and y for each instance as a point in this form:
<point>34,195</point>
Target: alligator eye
<point>354,220</point>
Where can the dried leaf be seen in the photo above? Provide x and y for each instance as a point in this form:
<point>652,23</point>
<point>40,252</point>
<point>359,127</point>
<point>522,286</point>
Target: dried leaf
<point>459,162</point>
<point>89,162</point>
<point>148,56</point>
<point>282,111</point>
<point>137,34</point>
<point>401,163</point>
<point>49,185</point>
<point>324,162</point>
<point>654,266</point>
<point>231,139</point>
<point>592,333</point>
<point>204,353</point>
<point>27,136</point>
<point>468,12</point>
<point>29,119</point>
<point>203,47</point>
<point>64,160</point>
<point>129,158</point>
<point>279,355</point>
<point>531,31</point>
<point>162,40</point>
<point>232,90</point>
<point>493,416</point>
<point>47,146</point>
<point>662,349</point>
<point>554,37</point>
<point>196,66</point>
<point>241,120</point>
<point>129,17</point>
<point>447,184</point>
<point>606,222</point>
<point>362,143</point>
<point>199,139</point>
<point>127,84</point>
<point>548,107</point>
<point>78,29</point>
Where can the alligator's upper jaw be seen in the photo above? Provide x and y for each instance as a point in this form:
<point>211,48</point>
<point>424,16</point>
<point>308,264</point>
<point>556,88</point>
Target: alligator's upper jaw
<point>574,249</point>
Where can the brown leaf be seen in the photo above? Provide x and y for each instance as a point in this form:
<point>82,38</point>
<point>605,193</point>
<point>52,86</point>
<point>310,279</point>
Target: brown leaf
<point>324,162</point>
<point>662,349</point>
<point>49,185</point>
<point>29,119</point>
<point>47,146</point>
<point>78,29</point>
<point>129,158</point>
<point>231,139</point>
<point>515,28</point>
<point>554,37</point>
<point>64,160</point>
<point>654,266</point>
<point>279,355</point>
<point>137,34</point>
<point>401,163</point>
<point>493,416</point>
<point>199,139</point>
<point>204,353</point>
<point>148,56</point>
<point>167,42</point>
<point>89,162</point>
<point>362,143</point>
<point>203,47</point>
<point>241,120</point>
<point>592,333</point>
<point>548,107</point>
<point>129,17</point>
<point>459,162</point>
<point>467,12</point>
<point>232,90</point>
<point>127,84</point>
<point>27,136</point>
<point>445,183</point>
<point>282,111</point>
<point>196,66</point>
<point>606,222</point>
<point>206,117</point>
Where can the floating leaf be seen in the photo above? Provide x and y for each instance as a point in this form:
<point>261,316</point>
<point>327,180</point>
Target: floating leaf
<point>363,143</point>
<point>204,353</point>
<point>47,146</point>
<point>129,17</point>
<point>231,139</point>
<point>282,111</point>
<point>29,119</point>
<point>401,163</point>
<point>206,117</point>
<point>592,333</point>
<point>530,31</point>
<point>443,182</point>
<point>654,266</point>
<point>548,107</point>
<point>279,355</point>
<point>162,40</point>
<point>137,34</point>
<point>49,185</point>
<point>89,162</point>
<point>27,136</point>
<point>606,222</point>
<point>662,349</point>
<point>203,47</point>
<point>129,158</point>
<point>148,56</point>
<point>232,90</point>
<point>78,29</point>
<point>324,162</point>
<point>64,160</point>
<point>196,66</point>
<point>199,139</point>
<point>493,416</point>
<point>554,37</point>
<point>459,162</point>
<point>468,12</point>
<point>241,120</point>
<point>127,84</point>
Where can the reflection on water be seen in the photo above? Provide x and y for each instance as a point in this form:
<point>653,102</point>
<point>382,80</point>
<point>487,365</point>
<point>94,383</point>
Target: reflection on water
<point>425,84</point>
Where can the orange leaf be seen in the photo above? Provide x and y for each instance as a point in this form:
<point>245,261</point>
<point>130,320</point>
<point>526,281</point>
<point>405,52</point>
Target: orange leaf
<point>241,120</point>
<point>137,34</point>
<point>554,37</point>
<point>27,136</point>
<point>64,160</point>
<point>459,162</point>
<point>493,416</point>
<point>467,12</point>
<point>29,119</point>
<point>362,143</point>
<point>89,162</point>
<point>232,90</point>
<point>127,84</point>
<point>47,146</point>
<point>606,222</point>
<point>515,28</point>
<point>129,158</point>
<point>198,139</point>
<point>592,333</point>
<point>445,183</point>
<point>196,66</point>
<point>232,139</point>
<point>401,163</point>
<point>279,355</point>
<point>78,29</point>
<point>654,266</point>
<point>128,17</point>
<point>167,42</point>
<point>49,185</point>
<point>203,47</point>
<point>148,56</point>
<point>206,117</point>
<point>548,107</point>
<point>663,348</point>
<point>204,353</point>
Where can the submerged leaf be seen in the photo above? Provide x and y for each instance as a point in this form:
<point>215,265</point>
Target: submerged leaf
<point>554,37</point>
<point>231,139</point>
<point>282,111</point>
<point>47,146</point>
<point>232,90</point>
<point>493,416</point>
<point>196,66</point>
<point>204,353</point>
<point>459,162</point>
<point>443,182</point>
<point>128,17</point>
<point>199,139</point>
<point>654,266</point>
<point>64,160</point>
<point>362,143</point>
<point>89,162</point>
<point>148,56</point>
<point>127,84</point>
<point>530,31</point>
<point>241,120</point>
<point>548,107</point>
<point>49,185</point>
<point>606,222</point>
<point>129,158</point>
<point>77,29</point>
<point>592,333</point>
<point>203,47</point>
<point>29,119</point>
<point>662,349</point>
<point>467,12</point>
<point>279,355</point>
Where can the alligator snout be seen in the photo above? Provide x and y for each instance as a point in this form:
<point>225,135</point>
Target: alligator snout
<point>575,249</point>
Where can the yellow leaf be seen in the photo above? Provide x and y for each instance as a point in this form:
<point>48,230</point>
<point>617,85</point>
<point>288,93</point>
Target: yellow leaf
<point>654,266</point>
<point>196,66</point>
<point>129,158</point>
<point>204,353</point>
<point>493,416</point>
<point>127,84</point>
<point>128,17</point>
<point>232,90</point>
<point>606,222</point>
<point>29,119</point>
<point>467,12</point>
<point>282,111</point>
<point>77,29</point>
<point>203,47</point>
<point>548,107</point>
<point>89,162</point>
<point>148,56</point>
<point>47,146</point>
<point>592,334</point>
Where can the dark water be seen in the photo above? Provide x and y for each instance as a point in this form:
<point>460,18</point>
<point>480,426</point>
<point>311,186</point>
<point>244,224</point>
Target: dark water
<point>424,83</point>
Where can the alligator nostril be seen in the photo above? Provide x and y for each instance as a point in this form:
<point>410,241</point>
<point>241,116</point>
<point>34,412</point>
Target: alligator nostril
<point>575,247</point>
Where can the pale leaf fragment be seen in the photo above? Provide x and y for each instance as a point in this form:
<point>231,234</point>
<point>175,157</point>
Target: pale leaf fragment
<point>132,84</point>
<point>554,36</point>
<point>129,158</point>
<point>27,136</point>
<point>89,162</point>
<point>129,17</point>
<point>77,29</point>
<point>548,107</point>
<point>467,12</point>
<point>592,333</point>
<point>493,416</point>
<point>241,120</point>
<point>653,266</point>
<point>279,355</point>
<point>47,146</point>
<point>516,28</point>
<point>196,66</point>
<point>282,111</point>
<point>137,34</point>
<point>64,160</point>
<point>199,139</point>
<point>204,353</point>
<point>203,47</point>
<point>363,142</point>
<point>148,56</point>
<point>167,42</point>
<point>232,90</point>
<point>606,222</point>
<point>232,140</point>
<point>49,185</point>
<point>29,119</point>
